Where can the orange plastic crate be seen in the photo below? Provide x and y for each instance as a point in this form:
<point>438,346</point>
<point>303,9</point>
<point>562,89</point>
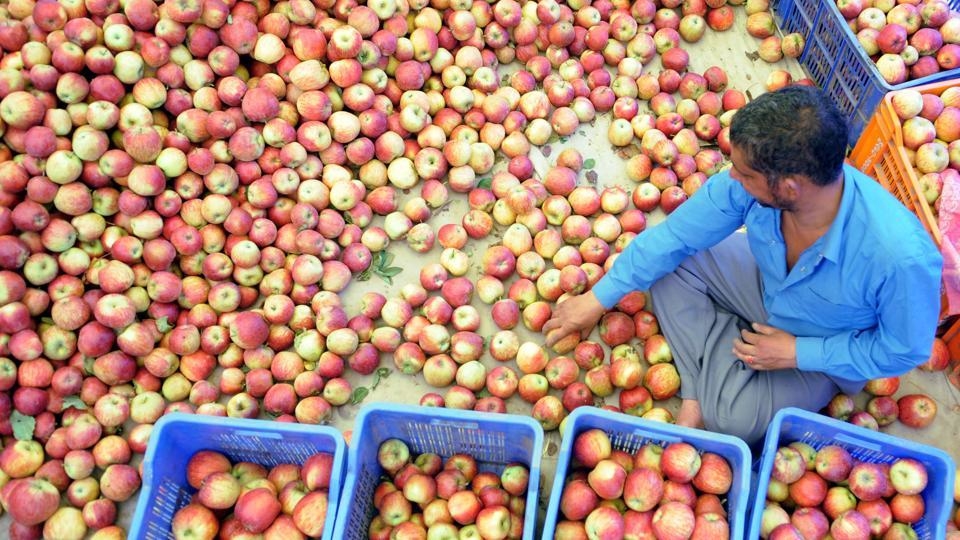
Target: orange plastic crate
<point>880,153</point>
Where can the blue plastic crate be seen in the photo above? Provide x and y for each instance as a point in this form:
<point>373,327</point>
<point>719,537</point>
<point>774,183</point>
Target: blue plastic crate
<point>176,437</point>
<point>792,424</point>
<point>834,59</point>
<point>629,433</point>
<point>494,440</point>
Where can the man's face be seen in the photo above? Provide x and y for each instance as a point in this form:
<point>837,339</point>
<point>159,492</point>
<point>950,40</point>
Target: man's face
<point>756,184</point>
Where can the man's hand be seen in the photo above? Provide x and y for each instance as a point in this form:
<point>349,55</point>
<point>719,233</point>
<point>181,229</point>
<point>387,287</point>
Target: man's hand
<point>766,348</point>
<point>576,314</point>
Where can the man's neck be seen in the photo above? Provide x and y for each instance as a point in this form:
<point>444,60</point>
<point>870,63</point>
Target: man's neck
<point>817,209</point>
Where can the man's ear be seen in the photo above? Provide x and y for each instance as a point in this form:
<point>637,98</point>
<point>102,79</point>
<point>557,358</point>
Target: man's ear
<point>792,186</point>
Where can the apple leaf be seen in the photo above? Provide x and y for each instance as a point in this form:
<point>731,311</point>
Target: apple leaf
<point>23,426</point>
<point>380,374</point>
<point>485,183</point>
<point>363,276</point>
<point>359,395</point>
<point>383,259</point>
<point>347,218</point>
<point>75,402</point>
<point>589,163</point>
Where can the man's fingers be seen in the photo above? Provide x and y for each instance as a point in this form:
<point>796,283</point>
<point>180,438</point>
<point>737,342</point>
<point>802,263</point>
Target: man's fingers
<point>749,337</point>
<point>555,337</point>
<point>744,348</point>
<point>763,328</point>
<point>550,325</point>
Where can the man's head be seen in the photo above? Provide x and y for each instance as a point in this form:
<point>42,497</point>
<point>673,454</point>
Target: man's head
<point>796,131</point>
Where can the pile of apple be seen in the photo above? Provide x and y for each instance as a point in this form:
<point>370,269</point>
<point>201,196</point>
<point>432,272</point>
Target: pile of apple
<point>828,491</point>
<point>663,492</point>
<point>882,409</point>
<point>287,501</point>
<point>187,186</point>
<point>906,40</point>
<point>427,496</point>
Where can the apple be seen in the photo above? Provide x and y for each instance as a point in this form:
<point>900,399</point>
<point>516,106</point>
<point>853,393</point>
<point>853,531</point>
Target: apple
<point>680,462</point>
<point>715,475</point>
<point>849,525</point>
<point>643,489</point>
<point>917,410</point>
<point>885,386</point>
<point>32,501</point>
<point>673,520</point>
<point>868,481</point>
<point>195,521</point>
<point>604,522</point>
<point>908,476</point>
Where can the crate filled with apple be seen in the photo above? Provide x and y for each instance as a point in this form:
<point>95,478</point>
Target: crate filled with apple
<point>619,476</point>
<point>204,477</point>
<point>913,147</point>
<point>858,51</point>
<point>819,477</point>
<point>424,472</point>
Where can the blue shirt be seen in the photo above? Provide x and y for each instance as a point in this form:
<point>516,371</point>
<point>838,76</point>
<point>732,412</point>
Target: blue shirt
<point>863,300</point>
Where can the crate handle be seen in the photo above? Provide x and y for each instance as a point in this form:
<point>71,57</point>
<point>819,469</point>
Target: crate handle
<point>260,434</point>
<point>849,439</point>
<point>661,437</point>
<point>455,424</point>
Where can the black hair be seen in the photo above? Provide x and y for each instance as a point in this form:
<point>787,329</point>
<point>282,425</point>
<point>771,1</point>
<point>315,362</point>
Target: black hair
<point>794,131</point>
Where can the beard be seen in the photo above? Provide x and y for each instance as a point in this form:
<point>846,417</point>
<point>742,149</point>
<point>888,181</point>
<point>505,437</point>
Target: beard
<point>778,202</point>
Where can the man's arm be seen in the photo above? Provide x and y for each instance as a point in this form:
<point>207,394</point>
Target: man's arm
<point>717,209</point>
<point>908,312</point>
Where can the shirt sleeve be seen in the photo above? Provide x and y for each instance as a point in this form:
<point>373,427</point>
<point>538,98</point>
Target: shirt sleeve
<point>717,209</point>
<point>908,310</point>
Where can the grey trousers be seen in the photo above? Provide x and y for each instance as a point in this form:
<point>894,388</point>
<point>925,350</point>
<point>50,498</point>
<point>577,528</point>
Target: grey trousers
<point>701,308</point>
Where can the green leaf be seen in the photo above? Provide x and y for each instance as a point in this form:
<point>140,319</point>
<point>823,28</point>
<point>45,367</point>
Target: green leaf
<point>386,259</point>
<point>485,183</point>
<point>347,218</point>
<point>75,402</point>
<point>359,395</point>
<point>23,426</point>
<point>390,272</point>
<point>589,163</point>
<point>363,276</point>
<point>379,375</point>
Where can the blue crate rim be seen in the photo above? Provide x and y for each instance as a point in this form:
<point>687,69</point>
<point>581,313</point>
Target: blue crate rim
<point>174,420</point>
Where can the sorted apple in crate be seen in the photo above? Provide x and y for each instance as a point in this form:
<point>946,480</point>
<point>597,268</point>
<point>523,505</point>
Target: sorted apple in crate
<point>257,501</point>
<point>897,37</point>
<point>861,484</point>
<point>442,494</point>
<point>656,485</point>
<point>279,480</point>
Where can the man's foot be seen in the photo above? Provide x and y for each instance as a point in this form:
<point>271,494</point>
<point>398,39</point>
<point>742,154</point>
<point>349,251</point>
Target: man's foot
<point>690,415</point>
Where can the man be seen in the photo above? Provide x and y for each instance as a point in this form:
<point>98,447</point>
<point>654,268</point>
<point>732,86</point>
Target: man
<point>833,283</point>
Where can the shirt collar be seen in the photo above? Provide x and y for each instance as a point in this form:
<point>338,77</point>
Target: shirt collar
<point>832,241</point>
